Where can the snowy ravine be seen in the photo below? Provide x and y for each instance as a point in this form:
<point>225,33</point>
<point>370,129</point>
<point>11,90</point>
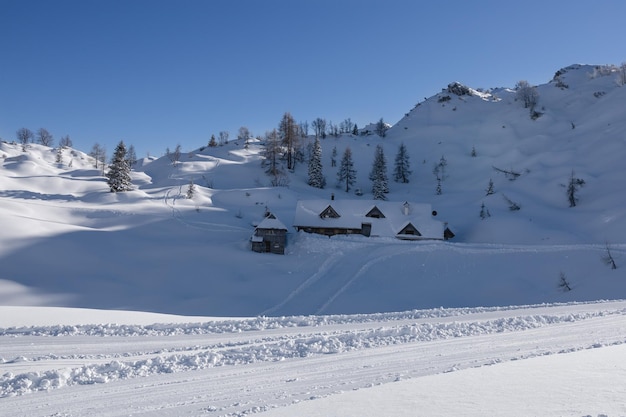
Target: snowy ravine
<point>234,367</point>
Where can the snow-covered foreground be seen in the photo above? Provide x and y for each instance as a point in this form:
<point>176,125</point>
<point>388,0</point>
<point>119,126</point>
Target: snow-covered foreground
<point>561,359</point>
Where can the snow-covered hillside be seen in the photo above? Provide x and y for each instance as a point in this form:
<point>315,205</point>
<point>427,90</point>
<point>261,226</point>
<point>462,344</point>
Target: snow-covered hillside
<point>67,241</point>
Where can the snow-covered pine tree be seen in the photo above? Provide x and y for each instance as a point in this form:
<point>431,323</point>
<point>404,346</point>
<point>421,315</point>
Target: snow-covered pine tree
<point>119,171</point>
<point>346,172</point>
<point>378,175</point>
<point>316,177</point>
<point>402,168</point>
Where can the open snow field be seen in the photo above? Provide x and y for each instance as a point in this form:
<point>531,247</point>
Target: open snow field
<point>341,326</point>
<point>565,360</point>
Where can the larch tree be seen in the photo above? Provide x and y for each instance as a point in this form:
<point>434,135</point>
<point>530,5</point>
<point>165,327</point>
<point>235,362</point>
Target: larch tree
<point>131,156</point>
<point>381,128</point>
<point>271,153</point>
<point>402,165</point>
<point>346,173</point>
<point>119,172</point>
<point>316,176</point>
<point>288,131</point>
<point>378,175</point>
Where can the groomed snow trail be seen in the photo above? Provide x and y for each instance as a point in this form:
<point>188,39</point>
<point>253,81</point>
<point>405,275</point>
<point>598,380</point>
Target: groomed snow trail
<point>238,367</point>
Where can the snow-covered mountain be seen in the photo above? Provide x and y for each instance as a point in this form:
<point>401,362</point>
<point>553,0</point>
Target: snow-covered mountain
<point>66,240</point>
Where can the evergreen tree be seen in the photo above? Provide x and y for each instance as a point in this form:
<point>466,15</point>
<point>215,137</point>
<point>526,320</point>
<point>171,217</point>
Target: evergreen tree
<point>213,141</point>
<point>378,175</point>
<point>346,172</point>
<point>402,167</point>
<point>119,171</point>
<point>316,177</point>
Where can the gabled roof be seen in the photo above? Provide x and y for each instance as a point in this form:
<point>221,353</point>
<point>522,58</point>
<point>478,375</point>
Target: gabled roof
<point>375,213</point>
<point>329,212</point>
<point>271,222</point>
<point>353,213</point>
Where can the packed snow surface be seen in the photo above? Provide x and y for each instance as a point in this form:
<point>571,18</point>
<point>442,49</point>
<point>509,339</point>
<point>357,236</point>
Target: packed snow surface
<point>348,365</point>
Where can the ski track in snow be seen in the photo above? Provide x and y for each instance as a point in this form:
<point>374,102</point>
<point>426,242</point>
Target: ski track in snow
<point>321,272</point>
<point>247,366</point>
<point>360,272</point>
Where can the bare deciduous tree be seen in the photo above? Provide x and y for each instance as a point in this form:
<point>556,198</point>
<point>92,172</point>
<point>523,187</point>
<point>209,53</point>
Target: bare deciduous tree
<point>223,137</point>
<point>319,127</point>
<point>527,94</point>
<point>98,153</point>
<point>24,136</point>
<point>244,134</point>
<point>65,142</point>
<point>44,137</point>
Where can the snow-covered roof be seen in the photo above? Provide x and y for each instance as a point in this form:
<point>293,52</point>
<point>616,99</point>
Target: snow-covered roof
<point>271,222</point>
<point>353,213</point>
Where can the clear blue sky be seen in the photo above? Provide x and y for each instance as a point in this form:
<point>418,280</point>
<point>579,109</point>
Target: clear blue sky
<point>157,73</point>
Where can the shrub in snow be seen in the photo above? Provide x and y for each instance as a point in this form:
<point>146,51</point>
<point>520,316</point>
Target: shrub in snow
<point>484,212</point>
<point>513,206</point>
<point>608,257</point>
<point>489,190</point>
<point>573,185</point>
<point>563,283</point>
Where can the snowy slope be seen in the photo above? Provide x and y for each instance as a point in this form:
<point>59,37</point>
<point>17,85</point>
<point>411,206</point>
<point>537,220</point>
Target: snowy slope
<point>67,241</point>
